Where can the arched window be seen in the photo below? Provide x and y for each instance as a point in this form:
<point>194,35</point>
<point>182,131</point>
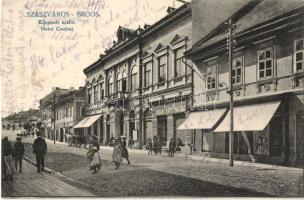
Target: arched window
<point>110,85</point>
<point>124,82</point>
<point>134,78</point>
<point>119,80</point>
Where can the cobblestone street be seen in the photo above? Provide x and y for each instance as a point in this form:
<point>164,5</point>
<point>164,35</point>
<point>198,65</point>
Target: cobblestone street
<point>150,175</point>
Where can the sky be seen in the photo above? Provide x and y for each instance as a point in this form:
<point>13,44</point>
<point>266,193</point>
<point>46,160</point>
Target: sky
<point>34,60</point>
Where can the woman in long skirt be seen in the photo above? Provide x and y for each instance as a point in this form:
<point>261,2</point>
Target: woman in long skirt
<point>95,164</point>
<point>124,150</point>
<point>116,156</point>
<point>7,152</point>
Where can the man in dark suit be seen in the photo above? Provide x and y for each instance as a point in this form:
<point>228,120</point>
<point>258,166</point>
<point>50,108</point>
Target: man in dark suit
<point>18,152</point>
<point>39,149</point>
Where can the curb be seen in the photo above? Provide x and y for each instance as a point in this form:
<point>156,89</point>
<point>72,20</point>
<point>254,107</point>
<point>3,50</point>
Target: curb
<point>216,160</point>
<point>50,171</point>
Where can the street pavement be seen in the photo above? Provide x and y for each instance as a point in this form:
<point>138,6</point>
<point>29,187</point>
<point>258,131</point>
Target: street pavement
<point>150,175</point>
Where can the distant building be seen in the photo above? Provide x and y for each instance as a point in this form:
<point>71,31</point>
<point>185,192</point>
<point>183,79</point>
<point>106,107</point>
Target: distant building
<point>268,82</point>
<point>18,121</point>
<point>46,112</point>
<point>69,109</point>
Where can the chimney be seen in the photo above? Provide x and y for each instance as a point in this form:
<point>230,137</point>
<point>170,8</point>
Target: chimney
<point>170,9</point>
<point>146,26</point>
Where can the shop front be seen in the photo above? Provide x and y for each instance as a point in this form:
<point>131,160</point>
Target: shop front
<point>259,132</point>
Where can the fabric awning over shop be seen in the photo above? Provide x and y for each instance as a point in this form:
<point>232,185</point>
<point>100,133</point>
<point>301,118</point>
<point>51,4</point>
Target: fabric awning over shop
<point>249,118</point>
<point>87,121</point>
<point>202,120</point>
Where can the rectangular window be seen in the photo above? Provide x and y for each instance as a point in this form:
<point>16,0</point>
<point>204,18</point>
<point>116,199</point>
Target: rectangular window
<point>179,66</point>
<point>67,112</point>
<point>162,62</point>
<point>237,65</point>
<point>299,51</point>
<point>95,94</point>
<point>211,77</point>
<point>90,95</point>
<point>265,62</point>
<point>101,91</point>
<point>148,74</point>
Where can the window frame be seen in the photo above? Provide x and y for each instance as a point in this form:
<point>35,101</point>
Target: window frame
<point>211,75</point>
<point>265,61</point>
<point>182,65</point>
<point>118,81</point>
<point>90,95</point>
<point>110,86</point>
<point>101,86</point>
<point>235,68</point>
<point>295,55</point>
<point>134,74</point>
<point>148,74</point>
<point>163,66</point>
<point>95,94</point>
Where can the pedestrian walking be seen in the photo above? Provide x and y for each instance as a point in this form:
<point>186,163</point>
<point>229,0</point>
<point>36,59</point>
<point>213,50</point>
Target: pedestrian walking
<point>160,145</point>
<point>178,145</point>
<point>94,156</point>
<point>124,150</point>
<point>155,145</point>
<point>116,156</point>
<point>18,152</point>
<point>172,146</point>
<point>150,146</point>
<point>7,160</point>
<point>39,149</point>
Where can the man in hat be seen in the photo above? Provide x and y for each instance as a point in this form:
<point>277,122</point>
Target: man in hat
<point>39,149</point>
<point>18,152</point>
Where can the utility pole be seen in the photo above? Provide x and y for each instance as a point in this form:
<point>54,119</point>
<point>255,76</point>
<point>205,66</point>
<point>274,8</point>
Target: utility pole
<point>230,46</point>
<point>54,116</point>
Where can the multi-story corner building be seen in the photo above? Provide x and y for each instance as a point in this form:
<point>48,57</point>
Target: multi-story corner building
<point>141,86</point>
<point>46,112</point>
<point>69,109</point>
<point>268,81</point>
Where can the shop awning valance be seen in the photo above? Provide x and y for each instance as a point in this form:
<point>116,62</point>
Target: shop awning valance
<point>87,121</point>
<point>202,120</point>
<point>249,118</point>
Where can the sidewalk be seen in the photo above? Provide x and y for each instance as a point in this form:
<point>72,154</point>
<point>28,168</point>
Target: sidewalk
<point>33,184</point>
<point>201,158</point>
<point>208,159</point>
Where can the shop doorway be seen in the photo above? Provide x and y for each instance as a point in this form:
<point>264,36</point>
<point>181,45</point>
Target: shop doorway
<point>162,129</point>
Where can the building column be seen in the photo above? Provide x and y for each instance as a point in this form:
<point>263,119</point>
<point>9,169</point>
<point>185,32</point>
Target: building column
<point>154,126</point>
<point>98,130</point>
<point>105,138</point>
<point>170,128</point>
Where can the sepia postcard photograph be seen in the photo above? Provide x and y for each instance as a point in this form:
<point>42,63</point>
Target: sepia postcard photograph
<point>152,99</point>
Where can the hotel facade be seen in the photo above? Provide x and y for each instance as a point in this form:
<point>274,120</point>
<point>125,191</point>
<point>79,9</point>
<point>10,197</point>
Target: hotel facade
<point>141,86</point>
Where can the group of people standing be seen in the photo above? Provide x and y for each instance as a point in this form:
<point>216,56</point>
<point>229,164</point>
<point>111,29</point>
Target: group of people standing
<point>11,153</point>
<point>155,146</point>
